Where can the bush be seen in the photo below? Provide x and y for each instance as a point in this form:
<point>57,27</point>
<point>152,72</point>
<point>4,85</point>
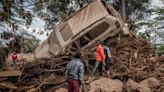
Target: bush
<point>29,45</point>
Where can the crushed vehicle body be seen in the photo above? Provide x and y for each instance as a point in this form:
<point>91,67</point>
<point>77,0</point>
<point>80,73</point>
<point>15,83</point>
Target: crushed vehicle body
<point>97,20</point>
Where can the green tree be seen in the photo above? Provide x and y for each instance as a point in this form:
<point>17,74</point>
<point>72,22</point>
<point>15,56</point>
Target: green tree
<point>13,12</point>
<point>154,26</point>
<point>52,11</point>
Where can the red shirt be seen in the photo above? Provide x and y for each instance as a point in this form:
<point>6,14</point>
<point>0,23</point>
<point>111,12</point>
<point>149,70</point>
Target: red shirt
<point>100,53</point>
<point>14,57</point>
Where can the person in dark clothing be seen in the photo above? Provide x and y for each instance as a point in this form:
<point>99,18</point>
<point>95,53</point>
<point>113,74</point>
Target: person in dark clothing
<point>107,59</point>
<point>74,74</point>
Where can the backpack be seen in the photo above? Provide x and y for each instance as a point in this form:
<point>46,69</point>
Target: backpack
<point>107,53</point>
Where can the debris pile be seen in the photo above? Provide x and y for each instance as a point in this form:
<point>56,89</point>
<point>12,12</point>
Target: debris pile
<point>130,61</point>
<point>133,56</point>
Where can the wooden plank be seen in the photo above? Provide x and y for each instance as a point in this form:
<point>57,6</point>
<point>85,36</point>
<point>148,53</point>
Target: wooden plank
<point>77,44</point>
<point>8,85</point>
<point>10,73</point>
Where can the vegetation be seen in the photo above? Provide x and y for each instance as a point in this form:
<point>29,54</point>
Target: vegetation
<point>15,12</point>
<point>23,45</point>
<point>29,45</point>
<point>153,29</point>
<point>159,50</point>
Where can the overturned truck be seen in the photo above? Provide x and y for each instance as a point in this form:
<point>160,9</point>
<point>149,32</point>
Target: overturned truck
<point>97,20</point>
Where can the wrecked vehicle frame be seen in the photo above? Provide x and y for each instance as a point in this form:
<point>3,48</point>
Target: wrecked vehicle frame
<point>98,20</point>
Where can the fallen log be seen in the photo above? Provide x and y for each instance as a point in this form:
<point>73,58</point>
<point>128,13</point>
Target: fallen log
<point>7,85</point>
<point>11,73</point>
<point>54,70</point>
<point>20,89</point>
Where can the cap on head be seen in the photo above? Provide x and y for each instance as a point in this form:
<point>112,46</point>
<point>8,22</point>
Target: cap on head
<point>77,55</point>
<point>98,41</point>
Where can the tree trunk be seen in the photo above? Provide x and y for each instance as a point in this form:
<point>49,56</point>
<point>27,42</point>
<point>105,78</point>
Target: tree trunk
<point>123,11</point>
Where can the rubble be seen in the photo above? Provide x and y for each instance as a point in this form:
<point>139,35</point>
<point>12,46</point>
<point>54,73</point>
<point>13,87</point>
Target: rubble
<point>61,90</point>
<point>130,59</point>
<point>48,74</point>
<point>132,86</point>
<point>8,85</point>
<point>150,82</point>
<point>106,85</point>
<point>10,73</point>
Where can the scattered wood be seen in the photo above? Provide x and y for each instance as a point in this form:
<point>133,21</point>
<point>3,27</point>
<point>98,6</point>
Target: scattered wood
<point>7,85</point>
<point>47,75</point>
<point>10,73</point>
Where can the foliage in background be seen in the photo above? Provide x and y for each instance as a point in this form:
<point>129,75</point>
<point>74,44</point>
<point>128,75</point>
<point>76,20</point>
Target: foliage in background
<point>23,45</point>
<point>29,45</point>
<point>135,9</point>
<point>153,30</point>
<point>154,26</point>
<point>53,11</point>
<point>160,50</point>
<point>15,12</point>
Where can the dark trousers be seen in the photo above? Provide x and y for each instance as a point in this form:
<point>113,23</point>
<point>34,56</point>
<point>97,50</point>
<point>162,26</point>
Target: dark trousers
<point>73,85</point>
<point>107,66</point>
<point>98,65</point>
<point>14,62</point>
<point>107,61</point>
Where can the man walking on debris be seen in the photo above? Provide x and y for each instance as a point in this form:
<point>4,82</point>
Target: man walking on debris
<point>74,74</point>
<point>107,59</point>
<point>100,58</point>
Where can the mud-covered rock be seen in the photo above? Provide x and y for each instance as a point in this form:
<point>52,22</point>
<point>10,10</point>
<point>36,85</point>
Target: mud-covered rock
<point>150,82</point>
<point>132,86</point>
<point>106,85</point>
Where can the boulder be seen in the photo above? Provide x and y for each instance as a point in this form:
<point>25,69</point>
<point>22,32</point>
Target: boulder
<point>106,85</point>
<point>160,69</point>
<point>61,90</point>
<point>150,82</point>
<point>132,86</point>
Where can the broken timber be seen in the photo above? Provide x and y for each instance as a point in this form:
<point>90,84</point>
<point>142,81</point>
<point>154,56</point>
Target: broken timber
<point>8,85</point>
<point>10,73</point>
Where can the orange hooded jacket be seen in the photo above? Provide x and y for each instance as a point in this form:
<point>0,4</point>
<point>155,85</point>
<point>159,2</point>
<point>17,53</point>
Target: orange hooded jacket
<point>100,53</point>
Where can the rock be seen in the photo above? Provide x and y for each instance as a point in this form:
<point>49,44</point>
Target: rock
<point>154,59</point>
<point>61,90</point>
<point>150,82</point>
<point>132,86</point>
<point>160,69</point>
<point>106,85</point>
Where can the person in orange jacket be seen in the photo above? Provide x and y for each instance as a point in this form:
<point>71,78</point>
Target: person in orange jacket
<point>100,58</point>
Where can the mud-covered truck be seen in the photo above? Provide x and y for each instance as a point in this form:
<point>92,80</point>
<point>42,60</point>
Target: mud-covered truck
<point>98,20</point>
